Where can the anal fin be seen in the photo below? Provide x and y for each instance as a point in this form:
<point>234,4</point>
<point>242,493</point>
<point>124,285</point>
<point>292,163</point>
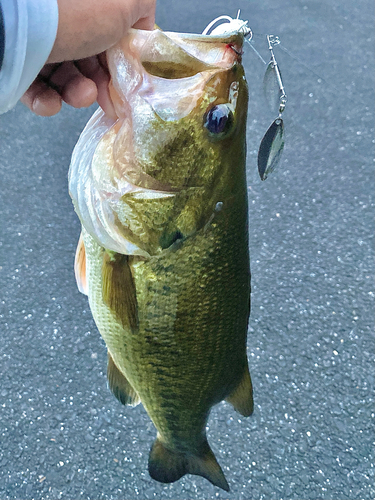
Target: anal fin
<point>242,397</point>
<point>119,385</point>
<point>80,267</point>
<point>166,465</point>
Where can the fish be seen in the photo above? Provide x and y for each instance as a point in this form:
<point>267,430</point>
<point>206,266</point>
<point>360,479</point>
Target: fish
<point>163,254</point>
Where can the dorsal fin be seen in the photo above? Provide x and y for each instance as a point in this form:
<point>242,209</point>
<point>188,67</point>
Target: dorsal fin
<point>120,386</point>
<point>166,465</point>
<point>242,396</point>
<point>118,286</point>
<point>80,267</point>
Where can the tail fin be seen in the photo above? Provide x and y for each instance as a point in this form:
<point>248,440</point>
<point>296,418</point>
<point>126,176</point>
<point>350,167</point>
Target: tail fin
<point>167,466</point>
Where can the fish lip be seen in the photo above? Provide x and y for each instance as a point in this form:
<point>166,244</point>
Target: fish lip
<point>233,38</point>
<point>234,41</point>
<point>197,36</point>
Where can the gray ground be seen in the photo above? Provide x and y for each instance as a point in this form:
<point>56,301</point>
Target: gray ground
<point>310,343</point>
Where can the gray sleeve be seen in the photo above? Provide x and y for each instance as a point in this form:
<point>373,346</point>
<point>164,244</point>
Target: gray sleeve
<point>2,37</point>
<point>28,33</point>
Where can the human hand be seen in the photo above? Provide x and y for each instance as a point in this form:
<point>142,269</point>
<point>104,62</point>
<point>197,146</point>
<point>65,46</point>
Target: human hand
<point>76,71</point>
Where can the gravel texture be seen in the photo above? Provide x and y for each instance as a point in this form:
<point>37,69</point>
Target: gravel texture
<point>311,336</point>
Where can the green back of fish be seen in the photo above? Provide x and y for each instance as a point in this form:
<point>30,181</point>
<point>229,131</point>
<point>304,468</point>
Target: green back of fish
<point>186,349</point>
<point>175,323</point>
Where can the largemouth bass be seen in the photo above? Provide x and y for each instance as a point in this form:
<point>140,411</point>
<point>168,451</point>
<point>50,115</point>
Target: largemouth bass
<point>163,255</point>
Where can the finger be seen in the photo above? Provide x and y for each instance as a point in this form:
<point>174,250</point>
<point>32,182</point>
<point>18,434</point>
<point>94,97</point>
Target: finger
<point>80,92</point>
<point>75,89</point>
<point>147,18</point>
<point>41,99</point>
<point>48,70</point>
<point>146,13</point>
<point>146,23</point>
<point>95,68</point>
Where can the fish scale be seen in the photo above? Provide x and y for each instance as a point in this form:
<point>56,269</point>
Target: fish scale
<point>201,319</point>
<point>164,253</point>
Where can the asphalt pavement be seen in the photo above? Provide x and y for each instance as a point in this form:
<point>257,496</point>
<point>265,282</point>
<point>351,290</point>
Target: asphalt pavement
<point>311,336</point>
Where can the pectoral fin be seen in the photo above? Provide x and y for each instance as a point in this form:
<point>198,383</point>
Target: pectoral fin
<point>119,385</point>
<point>242,396</point>
<point>80,267</point>
<point>118,286</point>
<point>166,465</point>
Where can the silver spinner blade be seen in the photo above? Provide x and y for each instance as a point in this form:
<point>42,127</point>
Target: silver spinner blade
<point>271,87</point>
<point>270,148</point>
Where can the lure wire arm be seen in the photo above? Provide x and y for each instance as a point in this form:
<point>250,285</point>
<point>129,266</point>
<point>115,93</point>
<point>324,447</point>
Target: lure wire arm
<point>272,41</point>
<point>272,144</point>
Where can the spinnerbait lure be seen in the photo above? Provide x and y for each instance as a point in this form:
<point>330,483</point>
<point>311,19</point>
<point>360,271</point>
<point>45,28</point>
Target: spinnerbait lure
<point>272,144</point>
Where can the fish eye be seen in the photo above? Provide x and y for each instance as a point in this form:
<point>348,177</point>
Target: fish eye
<point>219,119</point>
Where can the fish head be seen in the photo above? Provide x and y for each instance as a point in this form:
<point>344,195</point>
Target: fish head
<point>178,146</point>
